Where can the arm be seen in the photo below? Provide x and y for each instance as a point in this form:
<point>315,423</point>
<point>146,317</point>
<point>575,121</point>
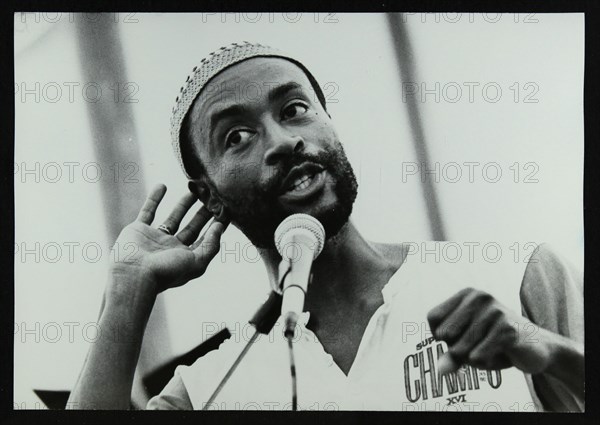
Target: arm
<point>483,333</point>
<point>560,288</point>
<point>161,261</point>
<point>106,379</point>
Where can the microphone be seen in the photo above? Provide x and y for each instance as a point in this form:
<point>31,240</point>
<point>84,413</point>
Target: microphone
<point>299,240</point>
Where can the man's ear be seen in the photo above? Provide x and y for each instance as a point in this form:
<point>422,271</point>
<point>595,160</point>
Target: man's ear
<point>210,200</point>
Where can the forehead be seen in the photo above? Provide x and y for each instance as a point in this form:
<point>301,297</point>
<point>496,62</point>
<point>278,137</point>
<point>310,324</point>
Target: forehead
<point>244,81</point>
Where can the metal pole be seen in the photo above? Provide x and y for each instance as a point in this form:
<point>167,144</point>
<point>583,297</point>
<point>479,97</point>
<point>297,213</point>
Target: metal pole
<point>405,57</point>
<point>118,154</point>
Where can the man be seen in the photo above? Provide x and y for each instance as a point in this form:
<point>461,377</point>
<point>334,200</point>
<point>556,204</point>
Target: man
<point>254,160</point>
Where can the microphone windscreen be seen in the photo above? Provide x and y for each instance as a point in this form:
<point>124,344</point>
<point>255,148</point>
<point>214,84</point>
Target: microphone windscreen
<point>304,222</point>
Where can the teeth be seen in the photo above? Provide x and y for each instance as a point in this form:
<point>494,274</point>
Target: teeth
<point>302,183</point>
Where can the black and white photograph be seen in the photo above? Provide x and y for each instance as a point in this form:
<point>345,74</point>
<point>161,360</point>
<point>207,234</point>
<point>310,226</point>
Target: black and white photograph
<point>311,211</point>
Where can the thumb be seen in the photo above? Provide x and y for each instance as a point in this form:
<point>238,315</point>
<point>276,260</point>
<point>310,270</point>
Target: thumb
<point>447,364</point>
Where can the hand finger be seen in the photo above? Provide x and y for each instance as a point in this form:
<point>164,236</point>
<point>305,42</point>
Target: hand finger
<point>475,332</point>
<point>212,234</point>
<point>448,364</point>
<point>174,219</point>
<point>455,323</point>
<point>199,241</point>
<point>191,231</point>
<point>437,314</point>
<point>210,245</point>
<point>148,210</point>
<point>489,352</point>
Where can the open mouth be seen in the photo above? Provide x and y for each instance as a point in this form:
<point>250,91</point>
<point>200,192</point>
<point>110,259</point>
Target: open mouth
<point>302,182</point>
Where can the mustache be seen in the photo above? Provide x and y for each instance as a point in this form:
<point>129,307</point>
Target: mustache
<point>326,159</point>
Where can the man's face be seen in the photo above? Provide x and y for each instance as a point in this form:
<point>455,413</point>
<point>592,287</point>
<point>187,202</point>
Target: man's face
<point>270,149</point>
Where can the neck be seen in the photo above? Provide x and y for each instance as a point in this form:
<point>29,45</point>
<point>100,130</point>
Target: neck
<point>349,271</point>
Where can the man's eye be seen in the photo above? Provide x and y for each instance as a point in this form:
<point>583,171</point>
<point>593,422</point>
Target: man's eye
<point>294,110</point>
<point>237,137</point>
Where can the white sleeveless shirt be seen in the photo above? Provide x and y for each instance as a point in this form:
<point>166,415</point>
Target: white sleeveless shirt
<point>396,364</point>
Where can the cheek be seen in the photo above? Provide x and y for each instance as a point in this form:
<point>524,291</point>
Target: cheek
<point>236,179</point>
<point>324,133</point>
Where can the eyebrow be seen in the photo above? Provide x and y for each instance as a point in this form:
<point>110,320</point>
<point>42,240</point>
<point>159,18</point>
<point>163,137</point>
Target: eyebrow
<point>280,91</point>
<point>230,111</point>
<point>274,94</point>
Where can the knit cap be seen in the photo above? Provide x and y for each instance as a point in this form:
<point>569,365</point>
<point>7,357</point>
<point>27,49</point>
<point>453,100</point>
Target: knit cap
<point>208,68</point>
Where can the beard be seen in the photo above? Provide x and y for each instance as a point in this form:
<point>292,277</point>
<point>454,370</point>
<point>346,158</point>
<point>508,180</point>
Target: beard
<point>258,213</point>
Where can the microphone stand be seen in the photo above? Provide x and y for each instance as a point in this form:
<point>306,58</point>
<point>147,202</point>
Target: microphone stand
<point>263,320</point>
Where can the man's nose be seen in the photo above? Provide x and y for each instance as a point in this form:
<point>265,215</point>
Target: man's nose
<point>281,143</point>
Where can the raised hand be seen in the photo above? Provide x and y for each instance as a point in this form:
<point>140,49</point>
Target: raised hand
<point>163,258</point>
